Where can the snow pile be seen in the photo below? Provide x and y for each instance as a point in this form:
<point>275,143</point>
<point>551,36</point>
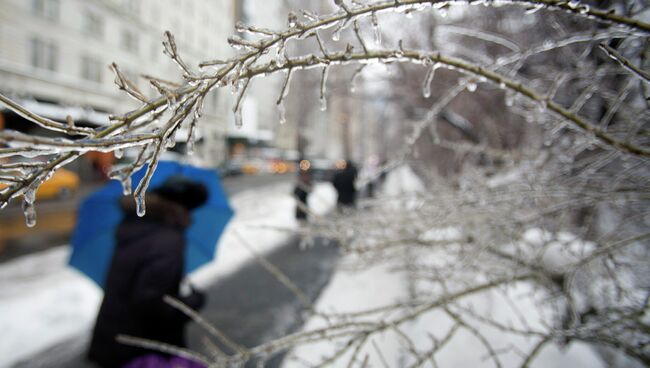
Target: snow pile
<point>44,302</point>
<point>402,180</point>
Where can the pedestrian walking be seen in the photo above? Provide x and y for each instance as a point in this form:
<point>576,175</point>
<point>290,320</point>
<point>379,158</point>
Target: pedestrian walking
<point>344,183</point>
<point>301,192</point>
<point>148,264</point>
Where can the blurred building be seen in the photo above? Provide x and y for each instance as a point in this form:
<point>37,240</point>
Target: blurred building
<point>54,57</point>
<point>261,127</point>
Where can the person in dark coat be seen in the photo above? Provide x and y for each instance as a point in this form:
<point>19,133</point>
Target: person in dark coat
<point>343,182</point>
<point>147,265</point>
<point>301,192</point>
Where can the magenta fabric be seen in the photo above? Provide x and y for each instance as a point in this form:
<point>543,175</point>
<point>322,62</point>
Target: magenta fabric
<point>159,361</point>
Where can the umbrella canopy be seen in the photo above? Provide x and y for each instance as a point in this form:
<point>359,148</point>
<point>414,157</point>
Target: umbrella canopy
<point>93,240</point>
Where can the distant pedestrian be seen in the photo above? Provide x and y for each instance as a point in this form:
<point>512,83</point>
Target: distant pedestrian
<point>344,183</point>
<point>147,265</point>
<point>301,192</point>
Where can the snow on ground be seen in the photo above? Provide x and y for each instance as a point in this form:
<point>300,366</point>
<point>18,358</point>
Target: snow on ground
<point>377,286</point>
<point>43,302</point>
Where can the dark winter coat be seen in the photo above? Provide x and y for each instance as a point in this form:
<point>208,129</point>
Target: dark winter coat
<point>147,264</point>
<point>301,193</point>
<point>343,182</point>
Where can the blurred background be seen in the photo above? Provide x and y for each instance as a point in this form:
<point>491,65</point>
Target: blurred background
<point>467,141</point>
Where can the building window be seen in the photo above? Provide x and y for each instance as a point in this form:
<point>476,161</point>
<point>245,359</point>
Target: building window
<point>129,41</point>
<point>48,9</point>
<point>45,54</point>
<point>94,25</point>
<point>91,69</point>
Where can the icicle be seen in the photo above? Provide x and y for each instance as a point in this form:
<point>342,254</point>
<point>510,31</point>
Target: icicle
<point>282,112</point>
<point>140,205</point>
<point>30,213</point>
<point>191,137</point>
<point>348,52</point>
<point>542,105</point>
<point>323,87</point>
<point>376,29</point>
<point>29,195</point>
<point>337,34</point>
<point>3,204</point>
<point>426,86</point>
<point>510,98</point>
<point>323,104</point>
<point>292,19</point>
<point>126,185</point>
<point>279,53</point>
<point>238,117</point>
<point>355,76</point>
<point>118,153</point>
<point>170,142</point>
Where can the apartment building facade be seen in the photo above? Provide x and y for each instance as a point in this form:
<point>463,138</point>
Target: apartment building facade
<point>54,57</point>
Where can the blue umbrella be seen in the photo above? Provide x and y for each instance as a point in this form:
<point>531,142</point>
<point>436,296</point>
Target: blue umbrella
<point>100,214</point>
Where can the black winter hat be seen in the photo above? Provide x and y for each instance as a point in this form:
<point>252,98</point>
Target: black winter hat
<point>184,191</point>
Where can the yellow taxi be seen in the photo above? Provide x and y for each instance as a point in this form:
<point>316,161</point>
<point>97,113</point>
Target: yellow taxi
<point>61,185</point>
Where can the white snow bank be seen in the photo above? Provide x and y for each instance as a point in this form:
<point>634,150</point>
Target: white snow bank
<point>402,180</point>
<point>43,302</point>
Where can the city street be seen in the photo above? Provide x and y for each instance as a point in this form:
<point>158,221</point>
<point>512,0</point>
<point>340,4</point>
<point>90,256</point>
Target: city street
<point>249,305</point>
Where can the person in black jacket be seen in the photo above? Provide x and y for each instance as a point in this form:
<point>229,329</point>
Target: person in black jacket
<point>147,265</point>
<point>343,182</point>
<point>301,192</point>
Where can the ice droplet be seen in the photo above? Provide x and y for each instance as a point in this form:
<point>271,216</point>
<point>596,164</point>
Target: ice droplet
<point>426,86</point>
<point>126,185</point>
<point>189,149</point>
<point>30,213</point>
<point>171,141</point>
<point>118,153</point>
<point>29,195</point>
<point>542,105</point>
<point>323,88</point>
<point>376,29</point>
<point>337,34</point>
<point>140,205</point>
<point>348,52</point>
<point>510,98</point>
<point>282,112</point>
<point>292,19</point>
<point>573,4</point>
<point>471,86</point>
